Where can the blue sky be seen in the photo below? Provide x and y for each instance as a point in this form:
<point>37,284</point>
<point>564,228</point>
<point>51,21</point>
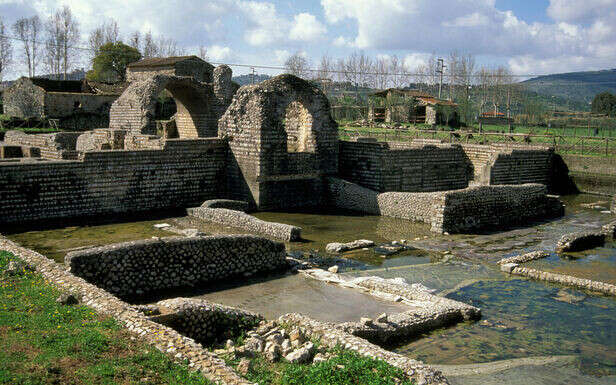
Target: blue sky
<point>528,36</point>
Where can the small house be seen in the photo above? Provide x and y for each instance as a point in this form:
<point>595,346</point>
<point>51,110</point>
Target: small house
<point>411,106</point>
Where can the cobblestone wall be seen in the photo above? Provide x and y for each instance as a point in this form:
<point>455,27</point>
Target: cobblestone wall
<point>457,211</point>
<point>148,266</point>
<point>183,174</point>
<point>206,322</point>
<point>247,222</point>
<point>164,338</point>
<point>413,167</point>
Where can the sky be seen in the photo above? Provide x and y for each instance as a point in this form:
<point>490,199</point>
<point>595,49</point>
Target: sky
<point>528,36</point>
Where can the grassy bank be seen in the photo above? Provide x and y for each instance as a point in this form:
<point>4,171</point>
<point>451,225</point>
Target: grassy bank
<point>344,368</point>
<point>44,342</point>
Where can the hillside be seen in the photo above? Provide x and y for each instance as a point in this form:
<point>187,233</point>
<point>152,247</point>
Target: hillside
<point>576,87</point>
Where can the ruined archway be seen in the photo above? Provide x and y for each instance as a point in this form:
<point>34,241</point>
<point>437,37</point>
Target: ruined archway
<point>135,109</point>
<point>283,139</point>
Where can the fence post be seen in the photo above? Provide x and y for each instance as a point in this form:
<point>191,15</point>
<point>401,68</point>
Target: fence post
<point>607,143</point>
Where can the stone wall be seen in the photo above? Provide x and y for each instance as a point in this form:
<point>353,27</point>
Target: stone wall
<point>613,207</point>
<point>149,266</point>
<point>458,211</point>
<point>206,322</point>
<point>189,66</point>
<point>24,100</point>
<point>164,338</point>
<point>593,174</point>
<point>262,129</point>
<point>60,145</point>
<point>63,104</point>
<point>183,174</point>
<point>404,167</point>
<point>241,220</point>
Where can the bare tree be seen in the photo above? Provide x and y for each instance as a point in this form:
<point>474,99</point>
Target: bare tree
<point>108,32</point>
<point>28,31</point>
<point>203,53</point>
<point>298,65</point>
<point>399,77</point>
<point>150,48</point>
<point>168,47</point>
<point>63,33</point>
<point>6,50</point>
<point>365,69</point>
<point>326,67</point>
<point>380,77</point>
<point>53,48</point>
<point>134,40</point>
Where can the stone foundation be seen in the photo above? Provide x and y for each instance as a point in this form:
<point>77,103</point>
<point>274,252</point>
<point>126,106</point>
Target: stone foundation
<point>578,283</point>
<point>148,266</point>
<point>535,255</point>
<point>58,146</point>
<point>243,221</point>
<point>205,322</point>
<point>473,209</point>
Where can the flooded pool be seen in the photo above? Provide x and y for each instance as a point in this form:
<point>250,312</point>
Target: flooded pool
<point>521,318</point>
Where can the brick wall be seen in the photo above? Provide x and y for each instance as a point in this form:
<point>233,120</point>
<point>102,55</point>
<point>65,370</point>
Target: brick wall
<point>409,167</point>
<point>183,174</point>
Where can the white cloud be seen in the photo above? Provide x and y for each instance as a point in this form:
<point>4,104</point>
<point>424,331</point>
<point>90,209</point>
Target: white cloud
<point>584,31</point>
<point>281,55</point>
<point>415,60</point>
<point>219,53</point>
<point>578,10</point>
<point>341,41</point>
<point>306,27</point>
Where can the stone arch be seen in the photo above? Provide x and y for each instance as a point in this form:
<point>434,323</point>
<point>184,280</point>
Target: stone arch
<point>135,109</point>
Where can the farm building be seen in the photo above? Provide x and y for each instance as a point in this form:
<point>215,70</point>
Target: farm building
<point>411,106</point>
<point>494,118</point>
<point>73,103</point>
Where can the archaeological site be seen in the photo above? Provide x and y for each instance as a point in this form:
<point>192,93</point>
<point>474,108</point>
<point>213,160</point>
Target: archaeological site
<point>246,214</point>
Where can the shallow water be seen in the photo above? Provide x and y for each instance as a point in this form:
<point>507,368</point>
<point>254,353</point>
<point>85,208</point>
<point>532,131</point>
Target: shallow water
<point>298,294</point>
<point>521,318</point>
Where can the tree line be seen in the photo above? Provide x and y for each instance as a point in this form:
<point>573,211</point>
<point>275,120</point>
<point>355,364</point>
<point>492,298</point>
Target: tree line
<point>476,89</point>
<point>54,45</point>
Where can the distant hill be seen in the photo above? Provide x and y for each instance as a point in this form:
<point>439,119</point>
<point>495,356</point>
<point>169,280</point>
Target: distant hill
<point>575,87</point>
<point>243,80</point>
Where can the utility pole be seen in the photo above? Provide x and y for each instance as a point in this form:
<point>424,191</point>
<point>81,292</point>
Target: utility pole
<point>252,75</point>
<point>440,70</point>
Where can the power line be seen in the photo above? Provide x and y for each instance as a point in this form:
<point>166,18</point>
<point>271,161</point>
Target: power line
<point>348,72</point>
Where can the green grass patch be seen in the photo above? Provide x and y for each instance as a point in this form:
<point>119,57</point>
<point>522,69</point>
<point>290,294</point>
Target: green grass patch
<point>43,342</point>
<point>344,368</point>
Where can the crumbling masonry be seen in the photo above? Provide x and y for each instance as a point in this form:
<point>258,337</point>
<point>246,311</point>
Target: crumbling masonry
<point>273,145</point>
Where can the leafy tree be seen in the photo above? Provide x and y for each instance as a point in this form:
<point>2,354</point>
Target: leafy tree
<point>604,103</point>
<point>111,61</point>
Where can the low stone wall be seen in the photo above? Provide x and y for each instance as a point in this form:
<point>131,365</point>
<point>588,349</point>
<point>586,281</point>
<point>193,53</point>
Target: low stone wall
<point>580,241</point>
<point>243,221</point>
<point>472,209</point>
<point>59,145</point>
<point>579,283</point>
<point>610,230</point>
<point>525,257</point>
<point>142,267</point>
<point>593,174</point>
<point>162,337</point>
<point>332,338</point>
<point>206,322</point>
<point>225,204</point>
<point>613,207</point>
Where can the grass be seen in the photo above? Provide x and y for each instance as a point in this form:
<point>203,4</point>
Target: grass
<point>344,368</point>
<point>43,342</point>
